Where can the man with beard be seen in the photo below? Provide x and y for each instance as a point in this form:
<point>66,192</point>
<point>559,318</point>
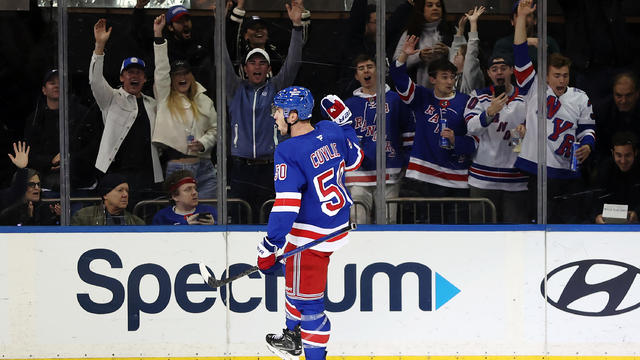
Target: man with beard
<point>495,114</point>
<point>129,119</point>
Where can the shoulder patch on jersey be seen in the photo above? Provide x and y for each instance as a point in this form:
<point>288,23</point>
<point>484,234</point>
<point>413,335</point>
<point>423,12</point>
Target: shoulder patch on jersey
<point>319,137</point>
<point>472,103</point>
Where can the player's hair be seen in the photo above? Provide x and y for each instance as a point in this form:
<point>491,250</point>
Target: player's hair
<point>362,58</point>
<point>174,178</point>
<point>558,60</point>
<point>621,138</point>
<point>627,75</point>
<point>441,64</point>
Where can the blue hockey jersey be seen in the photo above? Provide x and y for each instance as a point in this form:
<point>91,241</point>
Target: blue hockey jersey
<point>429,162</point>
<point>168,216</point>
<point>400,129</point>
<point>311,199</point>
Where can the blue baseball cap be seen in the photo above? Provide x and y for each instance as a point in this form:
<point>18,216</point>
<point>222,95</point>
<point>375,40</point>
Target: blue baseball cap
<point>130,62</point>
<point>176,12</point>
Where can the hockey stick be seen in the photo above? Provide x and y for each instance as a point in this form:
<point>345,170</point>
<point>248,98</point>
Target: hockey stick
<point>210,279</point>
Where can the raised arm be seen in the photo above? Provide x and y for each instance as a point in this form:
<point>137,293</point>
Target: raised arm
<point>161,76</point>
<point>101,90</point>
<point>525,7</point>
<point>291,64</point>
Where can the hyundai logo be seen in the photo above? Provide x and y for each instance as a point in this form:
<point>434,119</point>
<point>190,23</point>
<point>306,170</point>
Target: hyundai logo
<point>593,287</point>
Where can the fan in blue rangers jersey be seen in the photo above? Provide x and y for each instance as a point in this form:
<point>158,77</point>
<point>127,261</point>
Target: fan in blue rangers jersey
<point>569,119</point>
<point>400,129</point>
<point>311,201</point>
<point>446,168</point>
<point>495,115</point>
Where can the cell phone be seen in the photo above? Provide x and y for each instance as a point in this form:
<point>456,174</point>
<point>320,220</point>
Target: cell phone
<point>499,90</point>
<point>204,216</point>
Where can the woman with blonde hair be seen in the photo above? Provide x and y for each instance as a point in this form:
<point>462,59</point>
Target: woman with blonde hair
<point>186,120</point>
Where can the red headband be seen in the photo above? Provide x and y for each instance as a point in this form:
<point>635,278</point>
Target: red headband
<point>187,180</point>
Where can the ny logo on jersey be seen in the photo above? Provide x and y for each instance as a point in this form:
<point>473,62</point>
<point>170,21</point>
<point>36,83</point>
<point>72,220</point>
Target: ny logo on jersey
<point>559,126</point>
<point>553,105</point>
<point>430,110</point>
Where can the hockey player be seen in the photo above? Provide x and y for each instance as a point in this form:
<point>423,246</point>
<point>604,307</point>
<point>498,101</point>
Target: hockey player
<point>495,115</point>
<point>569,119</point>
<point>439,167</point>
<point>400,128</point>
<point>311,201</point>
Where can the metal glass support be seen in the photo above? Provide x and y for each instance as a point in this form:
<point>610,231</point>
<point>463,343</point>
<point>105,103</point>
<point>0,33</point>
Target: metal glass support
<point>63,113</point>
<point>221,101</point>
<point>381,70</point>
<point>542,112</point>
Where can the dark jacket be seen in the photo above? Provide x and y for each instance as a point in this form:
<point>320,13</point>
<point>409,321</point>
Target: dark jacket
<point>18,214</point>
<point>613,186</point>
<point>43,135</point>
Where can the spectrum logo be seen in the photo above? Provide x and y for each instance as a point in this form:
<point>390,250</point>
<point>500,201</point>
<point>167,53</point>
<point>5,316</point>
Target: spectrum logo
<point>138,303</point>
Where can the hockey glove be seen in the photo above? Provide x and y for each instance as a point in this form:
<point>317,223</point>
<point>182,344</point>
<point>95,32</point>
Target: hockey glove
<point>267,256</point>
<point>336,110</point>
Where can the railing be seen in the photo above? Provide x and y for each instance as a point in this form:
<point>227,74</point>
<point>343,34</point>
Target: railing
<point>239,210</point>
<point>265,209</point>
<point>444,210</point>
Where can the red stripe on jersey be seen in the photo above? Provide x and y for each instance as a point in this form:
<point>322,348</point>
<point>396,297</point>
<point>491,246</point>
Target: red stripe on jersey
<point>521,76</point>
<point>409,92</point>
<point>313,235</point>
<point>287,202</point>
<point>316,338</point>
<point>364,178</point>
<point>357,165</point>
<point>495,174</point>
<point>293,311</point>
<point>437,173</point>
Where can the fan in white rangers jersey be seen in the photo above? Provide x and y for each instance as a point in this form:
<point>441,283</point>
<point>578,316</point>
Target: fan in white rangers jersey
<point>495,115</point>
<point>569,119</point>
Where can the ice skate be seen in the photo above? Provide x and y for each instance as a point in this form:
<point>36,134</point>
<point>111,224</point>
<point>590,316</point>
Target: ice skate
<point>287,345</point>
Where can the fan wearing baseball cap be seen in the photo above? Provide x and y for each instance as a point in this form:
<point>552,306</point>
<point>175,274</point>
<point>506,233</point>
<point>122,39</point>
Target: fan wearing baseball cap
<point>129,119</point>
<point>186,121</point>
<point>253,140</point>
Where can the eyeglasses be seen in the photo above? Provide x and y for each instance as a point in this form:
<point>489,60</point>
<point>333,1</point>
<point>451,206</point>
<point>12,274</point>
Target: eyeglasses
<point>33,184</point>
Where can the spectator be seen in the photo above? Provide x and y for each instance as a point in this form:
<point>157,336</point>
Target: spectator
<point>618,112</point>
<point>253,32</point>
<point>436,169</point>
<point>186,122</point>
<point>396,24</point>
<point>427,23</point>
<point>129,119</point>
<point>42,129</point>
<point>569,120</point>
<point>18,187</point>
<point>114,191</point>
<point>495,115</point>
<point>184,209</point>
<point>504,46</point>
<point>618,180</point>
<point>361,39</point>
<point>598,42</point>
<point>253,135</point>
<point>30,210</point>
<point>184,40</point>
<point>469,76</point>
<point>400,128</point>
